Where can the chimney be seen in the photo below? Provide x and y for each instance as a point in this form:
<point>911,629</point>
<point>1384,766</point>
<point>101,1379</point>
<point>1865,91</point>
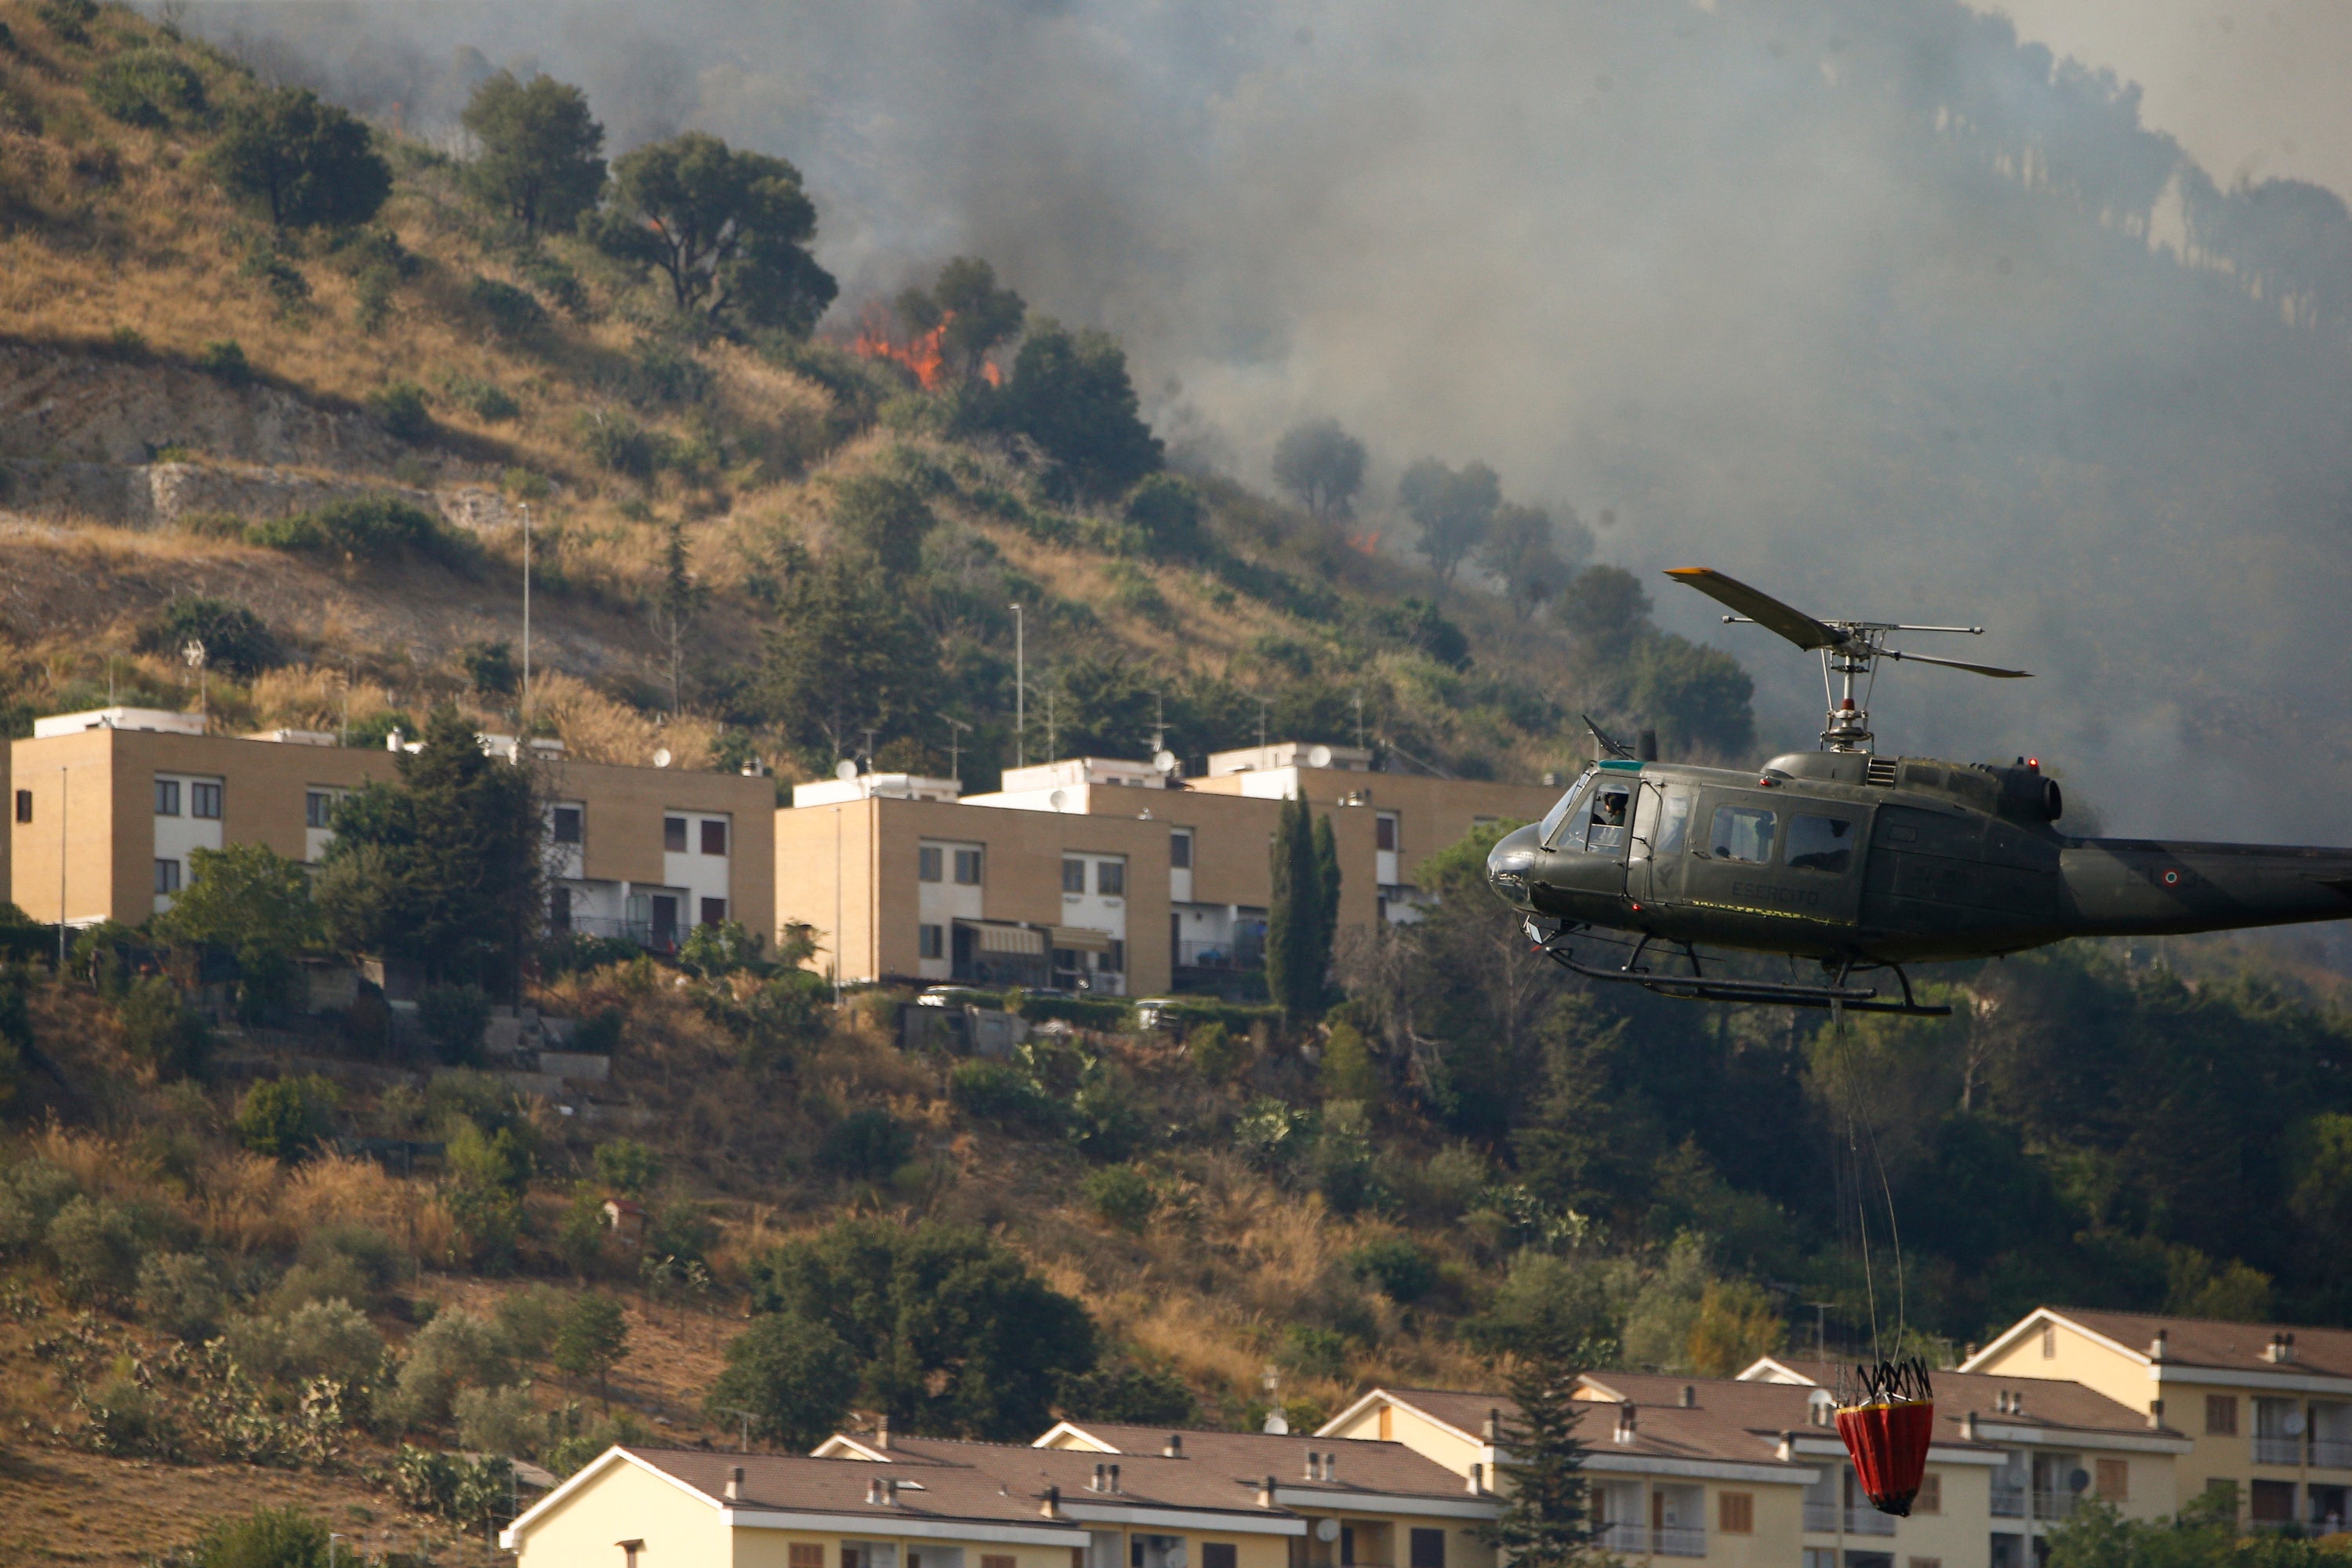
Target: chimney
<point>1175,1449</point>
<point>1266,1494</point>
<point>2017,1402</point>
<point>1331,1466</point>
<point>1690,1396</point>
<point>890,1491</point>
<point>1968,1427</point>
<point>2158,1346</point>
<point>734,1483</point>
<point>1102,1477</point>
<point>1052,1507</point>
<point>1968,1352</point>
<point>1494,1431</point>
<point>1114,1478</point>
<point>2156,1412</point>
<point>882,1434</point>
<point>1477,1477</point>
<point>1625,1422</point>
<point>1314,1465</point>
<point>874,1493</point>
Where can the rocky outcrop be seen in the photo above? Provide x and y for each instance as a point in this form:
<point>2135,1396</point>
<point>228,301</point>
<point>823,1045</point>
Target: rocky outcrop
<point>166,495</point>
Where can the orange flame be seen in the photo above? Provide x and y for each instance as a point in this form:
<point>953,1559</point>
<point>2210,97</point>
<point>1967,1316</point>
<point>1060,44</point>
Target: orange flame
<point>923,356</point>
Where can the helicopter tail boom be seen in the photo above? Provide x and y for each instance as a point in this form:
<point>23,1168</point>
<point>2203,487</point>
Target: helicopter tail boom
<point>2136,887</point>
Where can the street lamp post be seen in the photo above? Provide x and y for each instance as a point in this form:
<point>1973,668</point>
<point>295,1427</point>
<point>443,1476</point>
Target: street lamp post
<point>522,711</point>
<point>1020,689</point>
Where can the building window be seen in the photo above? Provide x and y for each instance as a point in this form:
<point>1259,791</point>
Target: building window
<point>967,868</point>
<point>930,942</point>
<point>1180,852</point>
<point>559,909</point>
<point>2272,1502</point>
<point>1820,1557</point>
<point>1931,1494</point>
<point>167,798</point>
<point>568,823</point>
<point>927,863</point>
<point>1110,879</point>
<point>1115,961</point>
<point>2049,1330</point>
<point>807,1555</point>
<point>1347,1546</point>
<point>167,876</point>
<point>713,911</point>
<point>674,835</point>
<point>2220,1415</point>
<point>23,805</point>
<point>1074,876</point>
<point>1926,1562</point>
<point>1384,831</point>
<point>1428,1549</point>
<point>714,835</point>
<point>317,805</point>
<point>2113,1483</point>
<point>993,1560</point>
<point>205,801</point>
<point>1734,1513</point>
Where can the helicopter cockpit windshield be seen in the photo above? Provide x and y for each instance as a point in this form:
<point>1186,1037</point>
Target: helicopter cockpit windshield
<point>1548,834</point>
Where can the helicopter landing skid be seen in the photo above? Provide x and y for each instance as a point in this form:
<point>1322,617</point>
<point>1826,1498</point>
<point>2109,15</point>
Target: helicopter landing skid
<point>1698,986</point>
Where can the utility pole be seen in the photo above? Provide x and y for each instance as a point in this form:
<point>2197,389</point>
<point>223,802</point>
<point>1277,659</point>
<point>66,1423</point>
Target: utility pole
<point>1261,732</point>
<point>955,749</point>
<point>523,710</point>
<point>61,876</point>
<point>1053,723</point>
<point>1358,700</point>
<point>1020,689</point>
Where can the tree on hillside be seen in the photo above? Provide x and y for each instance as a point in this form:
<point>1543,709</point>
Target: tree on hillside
<point>979,315</point>
<point>844,655</point>
<point>1327,879</point>
<point>593,1337</point>
<point>1170,511</point>
<point>442,868</point>
<point>543,152</point>
<point>1605,605</point>
<point>236,639</point>
<point>794,1376</point>
<point>1298,935</point>
<point>1321,466</point>
<point>1546,1522</point>
<point>950,1333</point>
<point>728,230</point>
<point>1070,394</point>
<point>250,902</point>
<point>1453,510</point>
<point>311,163</point>
<point>886,519</point>
<point>1518,549</point>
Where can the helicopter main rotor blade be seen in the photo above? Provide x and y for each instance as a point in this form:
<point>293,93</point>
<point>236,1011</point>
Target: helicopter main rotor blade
<point>1995,672</point>
<point>1762,608</point>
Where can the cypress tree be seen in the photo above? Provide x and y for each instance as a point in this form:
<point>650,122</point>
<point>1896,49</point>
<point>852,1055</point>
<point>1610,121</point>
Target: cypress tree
<point>1327,875</point>
<point>1547,1522</point>
<point>1296,950</point>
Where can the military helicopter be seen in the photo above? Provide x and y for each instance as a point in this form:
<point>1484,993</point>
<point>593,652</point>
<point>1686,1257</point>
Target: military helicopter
<point>1859,862</point>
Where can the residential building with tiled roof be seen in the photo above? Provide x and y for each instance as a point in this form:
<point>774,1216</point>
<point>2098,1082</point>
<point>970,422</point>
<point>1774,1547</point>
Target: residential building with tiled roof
<point>2266,1408</point>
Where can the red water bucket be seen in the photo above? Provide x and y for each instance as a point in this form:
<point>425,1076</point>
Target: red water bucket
<point>1888,1441</point>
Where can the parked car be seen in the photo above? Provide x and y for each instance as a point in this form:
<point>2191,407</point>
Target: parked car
<point>954,996</point>
<point>1157,1013</point>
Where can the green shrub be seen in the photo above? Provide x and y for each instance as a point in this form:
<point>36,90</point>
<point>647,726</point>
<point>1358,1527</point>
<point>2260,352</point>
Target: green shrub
<point>1086,1012</point>
<point>616,441</point>
<point>401,409</point>
<point>372,298</point>
<point>455,1018</point>
<point>265,265</point>
<point>524,485</point>
<point>368,527</point>
<point>126,1421</point>
<point>486,400</point>
<point>1312,1353</point>
<point>31,1193</point>
<point>599,1034</point>
<point>1169,512</point>
<point>471,1493</point>
<point>266,1538</point>
<point>225,360</point>
<point>511,311</point>
<point>499,1421</point>
<point>456,1351</point>
<point>285,1117</point>
<point>1119,1390</point>
<point>991,1091</point>
<point>1402,1270</point>
<point>661,371</point>
<point>866,1144</point>
<point>146,87</point>
<point>1216,1053</point>
<point>161,1029</point>
<point>236,640</point>
<point>627,1166</point>
<point>494,1162</point>
<point>319,1339</point>
<point>557,282</point>
<point>128,344</point>
<point>68,20</point>
<point>529,1318</point>
<point>1120,1195</point>
<point>182,1294</point>
<point>96,1248</point>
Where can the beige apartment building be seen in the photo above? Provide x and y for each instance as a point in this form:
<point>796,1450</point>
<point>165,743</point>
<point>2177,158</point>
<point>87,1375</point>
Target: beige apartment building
<point>107,809</point>
<point>1099,874</point>
<point>2265,1409</point>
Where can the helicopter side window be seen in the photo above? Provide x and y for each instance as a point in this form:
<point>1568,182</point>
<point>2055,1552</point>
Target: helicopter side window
<point>1674,825</point>
<point>1548,834</point>
<point>1822,844</point>
<point>1743,833</point>
<point>1611,803</point>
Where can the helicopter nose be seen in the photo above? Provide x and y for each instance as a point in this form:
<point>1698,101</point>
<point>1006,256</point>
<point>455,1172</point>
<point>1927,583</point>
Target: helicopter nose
<point>1510,863</point>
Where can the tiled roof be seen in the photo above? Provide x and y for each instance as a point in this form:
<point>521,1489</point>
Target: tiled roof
<point>2040,1401</point>
<point>2204,1341</point>
<point>1145,1480</point>
<point>1363,1465</point>
<point>797,1483</point>
<point>1737,1422</point>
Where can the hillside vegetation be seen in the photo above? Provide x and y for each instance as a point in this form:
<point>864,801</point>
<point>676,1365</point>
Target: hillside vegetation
<point>305,434</point>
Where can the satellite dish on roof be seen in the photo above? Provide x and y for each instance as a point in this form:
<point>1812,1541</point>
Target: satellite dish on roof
<point>1058,799</point>
<point>1164,761</point>
<point>844,769</point>
<point>1318,757</point>
<point>661,758</point>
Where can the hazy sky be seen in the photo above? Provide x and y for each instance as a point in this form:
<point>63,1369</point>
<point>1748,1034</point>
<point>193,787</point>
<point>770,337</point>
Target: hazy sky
<point>2255,89</point>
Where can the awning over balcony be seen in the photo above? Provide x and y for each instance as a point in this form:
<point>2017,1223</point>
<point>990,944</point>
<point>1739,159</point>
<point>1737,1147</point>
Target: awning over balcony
<point>1004,936</point>
<point>1079,938</point>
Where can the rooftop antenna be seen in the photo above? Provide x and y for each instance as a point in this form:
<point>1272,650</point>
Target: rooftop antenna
<point>1357,699</point>
<point>955,749</point>
<point>1159,725</point>
<point>1850,650</point>
<point>1261,732</point>
<point>868,757</point>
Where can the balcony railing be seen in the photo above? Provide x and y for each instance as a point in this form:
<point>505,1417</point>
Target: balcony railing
<point>1623,1535</point>
<point>1823,1516</point>
<point>1677,1540</point>
<point>1244,950</point>
<point>2009,1503</point>
<point>2330,1452</point>
<point>2278,1450</point>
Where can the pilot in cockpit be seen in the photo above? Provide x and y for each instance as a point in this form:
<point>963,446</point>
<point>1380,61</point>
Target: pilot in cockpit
<point>1608,811</point>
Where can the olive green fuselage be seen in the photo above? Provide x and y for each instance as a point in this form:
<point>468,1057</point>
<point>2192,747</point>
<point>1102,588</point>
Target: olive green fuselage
<point>1842,855</point>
